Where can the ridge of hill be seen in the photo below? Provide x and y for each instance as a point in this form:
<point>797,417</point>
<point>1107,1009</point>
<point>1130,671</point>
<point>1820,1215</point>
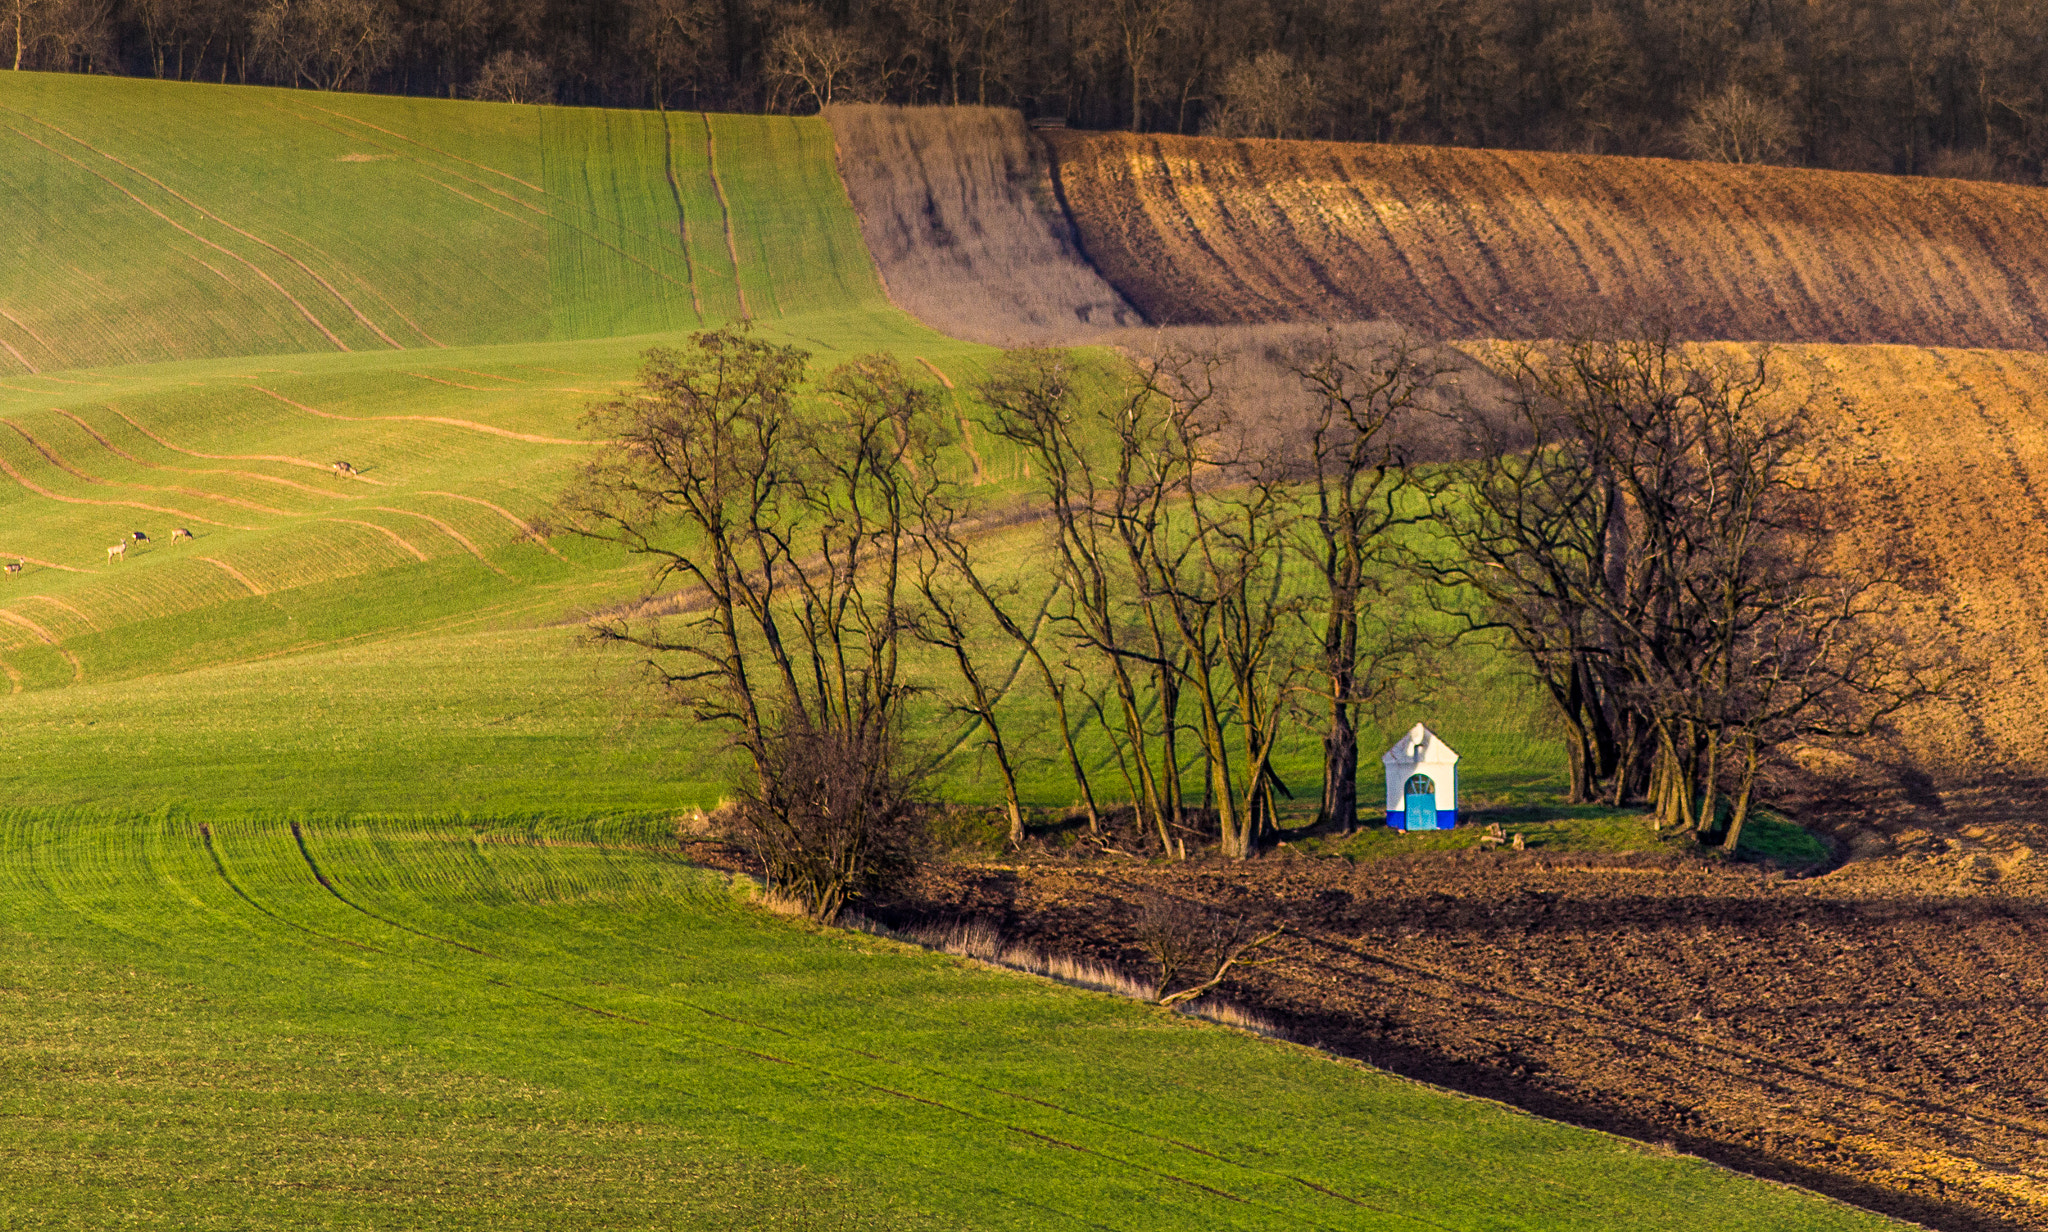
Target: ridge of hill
<point>156,221</point>
<point>1468,243</point>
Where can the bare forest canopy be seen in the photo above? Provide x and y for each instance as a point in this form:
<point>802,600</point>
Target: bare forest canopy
<point>1502,244</point>
<point>1934,87</point>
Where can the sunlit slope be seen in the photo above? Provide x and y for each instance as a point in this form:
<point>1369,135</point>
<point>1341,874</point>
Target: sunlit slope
<point>457,454</point>
<point>1489,243</point>
<point>151,221</point>
<point>293,1025</point>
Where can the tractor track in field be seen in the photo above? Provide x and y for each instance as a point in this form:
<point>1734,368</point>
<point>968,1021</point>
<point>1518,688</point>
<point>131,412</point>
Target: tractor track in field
<point>236,574</point>
<point>203,212</point>
<point>1869,1034</point>
<point>83,619</point>
<point>55,459</point>
<point>732,247</point>
<point>526,529</point>
<point>469,424</point>
<point>385,531</point>
<point>44,636</point>
<point>449,531</point>
<point>18,477</point>
<point>259,271</point>
<point>243,457</point>
<point>119,452</point>
<point>838,1073</point>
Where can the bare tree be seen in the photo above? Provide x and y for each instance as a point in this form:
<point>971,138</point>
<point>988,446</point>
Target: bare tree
<point>1359,484</point>
<point>514,77</point>
<point>1266,95</point>
<point>1139,26</point>
<point>1738,126</point>
<point>671,38</point>
<point>793,535</point>
<point>1655,545</point>
<point>812,65</point>
<point>1102,511</point>
<point>1197,948</point>
<point>325,44</point>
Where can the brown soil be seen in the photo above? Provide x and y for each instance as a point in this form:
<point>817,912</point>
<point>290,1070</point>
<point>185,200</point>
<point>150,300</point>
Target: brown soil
<point>959,209</point>
<point>1873,1034</point>
<point>1483,243</point>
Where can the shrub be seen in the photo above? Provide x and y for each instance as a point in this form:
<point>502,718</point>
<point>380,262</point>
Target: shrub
<point>829,814</point>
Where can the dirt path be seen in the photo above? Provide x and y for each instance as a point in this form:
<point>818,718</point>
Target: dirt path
<point>732,247</point>
<point>241,457</point>
<point>470,424</point>
<point>1872,1034</point>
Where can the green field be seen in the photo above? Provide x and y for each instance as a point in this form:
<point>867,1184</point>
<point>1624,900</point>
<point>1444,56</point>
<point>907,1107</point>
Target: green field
<point>332,1025</point>
<point>332,885</point>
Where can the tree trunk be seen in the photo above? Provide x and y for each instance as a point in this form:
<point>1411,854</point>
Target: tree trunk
<point>1733,841</point>
<point>1340,771</point>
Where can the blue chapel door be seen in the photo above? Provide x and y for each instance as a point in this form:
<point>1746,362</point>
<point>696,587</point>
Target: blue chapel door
<point>1421,803</point>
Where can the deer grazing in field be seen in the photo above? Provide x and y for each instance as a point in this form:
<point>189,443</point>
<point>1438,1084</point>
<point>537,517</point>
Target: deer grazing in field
<point>14,566</point>
<point>343,468</point>
<point>138,536</point>
<point>180,533</point>
<point>120,549</point>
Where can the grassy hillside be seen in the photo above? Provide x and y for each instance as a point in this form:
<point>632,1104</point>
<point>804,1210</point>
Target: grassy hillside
<point>1490,243</point>
<point>156,221</point>
<point>445,1026</point>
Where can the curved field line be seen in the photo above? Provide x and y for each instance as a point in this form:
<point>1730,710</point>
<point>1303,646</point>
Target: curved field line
<point>59,603</point>
<point>69,469</point>
<point>77,669</point>
<point>675,192</point>
<point>491,376</point>
<point>732,247</point>
<point>435,419</point>
<point>240,457</point>
<point>23,327</point>
<point>112,448</point>
<point>44,564</point>
<point>423,145</point>
<point>936,371</point>
<point>20,358</point>
<point>451,532</point>
<point>234,573</point>
<point>367,285</point>
<point>310,272</point>
<point>262,273</point>
<point>385,531</point>
<point>534,226</point>
<point>482,389</point>
<point>19,478</point>
<point>525,526</point>
<point>13,677</point>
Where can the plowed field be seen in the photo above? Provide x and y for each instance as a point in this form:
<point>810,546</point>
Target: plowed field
<point>1486,243</point>
<point>1873,1034</point>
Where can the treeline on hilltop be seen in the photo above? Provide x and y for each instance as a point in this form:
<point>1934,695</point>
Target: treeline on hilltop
<point>1911,86</point>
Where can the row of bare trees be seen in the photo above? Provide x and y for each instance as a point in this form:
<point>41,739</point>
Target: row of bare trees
<point>1917,86</point>
<point>1649,527</point>
<point>1213,572</point>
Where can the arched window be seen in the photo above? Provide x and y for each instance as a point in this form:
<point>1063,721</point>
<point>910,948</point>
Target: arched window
<point>1421,785</point>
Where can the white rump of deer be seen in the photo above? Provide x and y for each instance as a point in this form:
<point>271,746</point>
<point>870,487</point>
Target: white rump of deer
<point>180,533</point>
<point>343,468</point>
<point>120,549</point>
